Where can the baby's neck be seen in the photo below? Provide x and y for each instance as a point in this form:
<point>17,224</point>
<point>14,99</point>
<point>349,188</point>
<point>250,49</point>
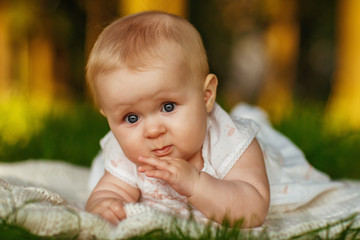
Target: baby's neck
<point>197,160</point>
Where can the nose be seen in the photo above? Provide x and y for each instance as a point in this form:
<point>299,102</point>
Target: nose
<point>154,128</point>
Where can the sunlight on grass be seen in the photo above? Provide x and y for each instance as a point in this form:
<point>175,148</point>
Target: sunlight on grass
<point>21,118</point>
<point>18,120</point>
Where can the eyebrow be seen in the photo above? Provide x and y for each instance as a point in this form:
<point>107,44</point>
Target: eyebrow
<point>123,108</point>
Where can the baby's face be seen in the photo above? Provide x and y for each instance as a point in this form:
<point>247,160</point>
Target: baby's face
<point>155,112</point>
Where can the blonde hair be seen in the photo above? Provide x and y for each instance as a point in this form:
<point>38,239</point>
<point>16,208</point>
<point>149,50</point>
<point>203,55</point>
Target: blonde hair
<point>129,41</point>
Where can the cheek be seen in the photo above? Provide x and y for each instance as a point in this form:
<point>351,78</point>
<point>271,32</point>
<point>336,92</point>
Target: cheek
<point>192,129</point>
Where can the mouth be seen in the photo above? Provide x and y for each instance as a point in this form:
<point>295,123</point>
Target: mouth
<point>161,152</point>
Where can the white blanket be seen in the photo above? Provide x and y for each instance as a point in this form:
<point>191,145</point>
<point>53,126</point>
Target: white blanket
<point>48,198</point>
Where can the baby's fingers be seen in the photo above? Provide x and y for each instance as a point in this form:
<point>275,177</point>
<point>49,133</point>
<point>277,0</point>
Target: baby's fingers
<point>118,210</point>
<point>160,174</point>
<point>110,216</point>
<point>155,162</point>
<point>110,209</point>
<point>144,168</point>
<point>107,214</point>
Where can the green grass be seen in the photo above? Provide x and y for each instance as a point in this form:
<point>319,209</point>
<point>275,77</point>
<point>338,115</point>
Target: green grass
<point>74,137</point>
<point>13,232</point>
<point>9,231</point>
<point>334,153</point>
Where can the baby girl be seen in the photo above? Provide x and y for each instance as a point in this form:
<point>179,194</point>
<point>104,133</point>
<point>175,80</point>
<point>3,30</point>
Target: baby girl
<point>171,146</point>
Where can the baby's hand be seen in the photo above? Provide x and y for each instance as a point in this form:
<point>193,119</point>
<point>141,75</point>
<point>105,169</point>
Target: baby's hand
<point>111,209</point>
<point>178,173</point>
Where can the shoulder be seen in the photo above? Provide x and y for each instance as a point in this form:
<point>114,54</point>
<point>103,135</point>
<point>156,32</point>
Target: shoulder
<point>227,139</point>
<point>250,164</point>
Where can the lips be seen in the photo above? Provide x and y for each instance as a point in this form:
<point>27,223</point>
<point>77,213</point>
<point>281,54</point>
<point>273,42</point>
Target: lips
<point>161,152</point>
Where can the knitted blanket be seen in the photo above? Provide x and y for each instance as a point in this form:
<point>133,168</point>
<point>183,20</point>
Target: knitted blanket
<point>48,197</point>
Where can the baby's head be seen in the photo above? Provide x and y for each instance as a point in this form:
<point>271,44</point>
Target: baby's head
<point>149,75</point>
<point>136,41</point>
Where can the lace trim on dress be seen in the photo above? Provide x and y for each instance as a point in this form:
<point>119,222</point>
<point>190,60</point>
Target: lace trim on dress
<point>251,134</point>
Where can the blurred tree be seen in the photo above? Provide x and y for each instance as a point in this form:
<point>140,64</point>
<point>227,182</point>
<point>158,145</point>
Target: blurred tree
<point>344,103</point>
<point>39,49</point>
<point>39,62</point>
<point>27,54</point>
<point>281,47</point>
<point>41,79</point>
<point>317,50</point>
<point>253,48</point>
<point>26,65</point>
<point>98,15</point>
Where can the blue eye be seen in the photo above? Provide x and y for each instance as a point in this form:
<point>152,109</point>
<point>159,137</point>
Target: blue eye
<point>131,118</point>
<point>168,107</point>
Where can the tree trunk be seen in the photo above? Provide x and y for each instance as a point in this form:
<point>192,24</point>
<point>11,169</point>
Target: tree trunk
<point>5,56</point>
<point>343,108</point>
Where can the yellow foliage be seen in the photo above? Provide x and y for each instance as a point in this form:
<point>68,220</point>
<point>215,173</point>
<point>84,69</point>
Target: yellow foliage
<point>18,120</point>
<point>21,118</point>
<point>178,7</point>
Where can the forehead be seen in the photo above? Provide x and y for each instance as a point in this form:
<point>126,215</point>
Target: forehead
<point>159,80</point>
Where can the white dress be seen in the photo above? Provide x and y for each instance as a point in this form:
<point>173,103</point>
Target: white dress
<point>293,181</point>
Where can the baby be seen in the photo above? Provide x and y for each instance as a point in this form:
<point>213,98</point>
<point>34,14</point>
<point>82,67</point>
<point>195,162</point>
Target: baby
<point>170,145</point>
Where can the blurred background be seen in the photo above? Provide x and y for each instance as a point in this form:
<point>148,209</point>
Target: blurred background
<point>297,59</point>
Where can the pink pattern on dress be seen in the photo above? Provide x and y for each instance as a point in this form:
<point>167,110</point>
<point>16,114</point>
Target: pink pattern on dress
<point>115,163</point>
<point>285,190</point>
<point>231,131</point>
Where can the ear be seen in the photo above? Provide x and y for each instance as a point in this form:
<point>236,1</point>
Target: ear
<point>210,86</point>
<point>102,112</point>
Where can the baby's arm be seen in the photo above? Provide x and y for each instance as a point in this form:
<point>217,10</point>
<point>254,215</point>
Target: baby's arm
<point>109,196</point>
<point>243,193</point>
